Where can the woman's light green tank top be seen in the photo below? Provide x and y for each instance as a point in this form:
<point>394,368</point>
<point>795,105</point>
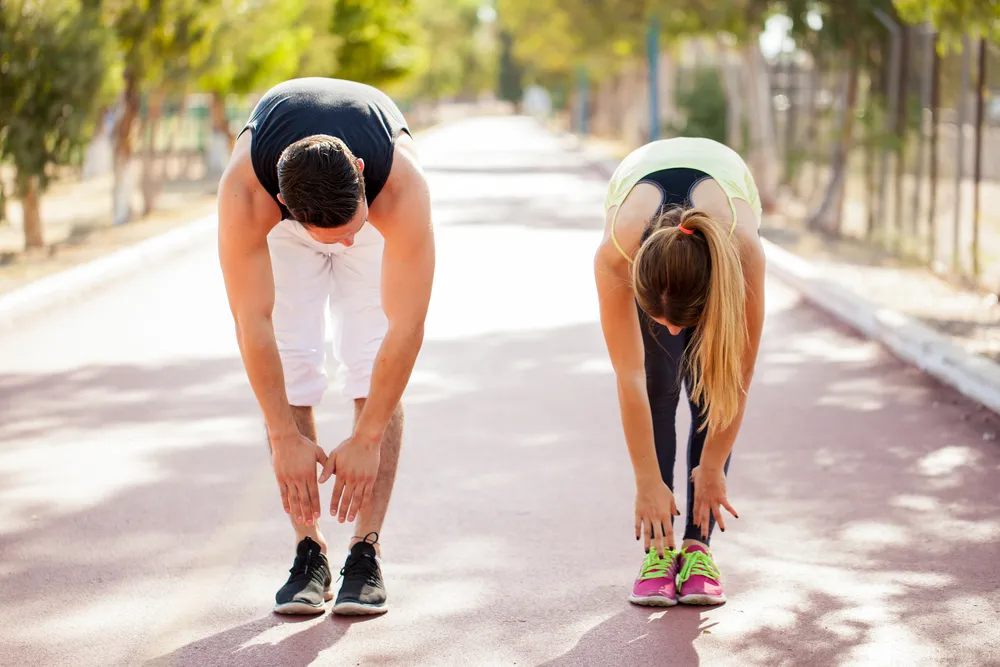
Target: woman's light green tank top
<point>719,161</point>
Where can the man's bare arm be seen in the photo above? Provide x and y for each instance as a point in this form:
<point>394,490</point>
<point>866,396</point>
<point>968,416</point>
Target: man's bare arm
<point>246,269</point>
<point>408,262</point>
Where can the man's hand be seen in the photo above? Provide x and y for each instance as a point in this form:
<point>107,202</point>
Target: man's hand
<point>710,498</point>
<point>294,459</point>
<point>654,505</point>
<point>355,464</point>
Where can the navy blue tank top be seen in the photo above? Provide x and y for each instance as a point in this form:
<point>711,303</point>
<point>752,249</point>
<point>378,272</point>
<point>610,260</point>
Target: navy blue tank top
<point>363,117</point>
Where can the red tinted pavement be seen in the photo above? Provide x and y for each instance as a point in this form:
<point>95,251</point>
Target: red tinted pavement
<point>139,521</point>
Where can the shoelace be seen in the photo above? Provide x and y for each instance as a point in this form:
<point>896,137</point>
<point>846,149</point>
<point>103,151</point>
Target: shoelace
<point>302,567</point>
<point>700,563</point>
<point>363,567</point>
<point>656,567</point>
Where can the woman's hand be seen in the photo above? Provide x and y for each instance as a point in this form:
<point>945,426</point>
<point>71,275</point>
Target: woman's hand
<point>710,498</point>
<point>654,509</point>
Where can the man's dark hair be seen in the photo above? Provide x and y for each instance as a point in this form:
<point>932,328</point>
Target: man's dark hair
<point>320,181</point>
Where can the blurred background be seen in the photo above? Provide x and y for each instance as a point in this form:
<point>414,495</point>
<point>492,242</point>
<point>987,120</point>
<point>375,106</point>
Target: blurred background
<point>870,121</point>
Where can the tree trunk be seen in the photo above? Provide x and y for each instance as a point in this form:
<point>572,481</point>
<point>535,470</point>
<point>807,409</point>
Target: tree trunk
<point>763,152</point>
<point>932,158</point>
<point>734,97</point>
<point>956,258</point>
<point>123,148</point>
<point>901,135</point>
<point>791,118</point>
<point>830,213</point>
<point>926,48</point>
<point>151,176</point>
<point>34,236</point>
<point>978,173</point>
<point>220,122</point>
<point>871,159</point>
<point>811,132</point>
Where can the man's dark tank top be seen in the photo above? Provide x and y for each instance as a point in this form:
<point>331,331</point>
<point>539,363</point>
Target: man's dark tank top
<point>361,116</point>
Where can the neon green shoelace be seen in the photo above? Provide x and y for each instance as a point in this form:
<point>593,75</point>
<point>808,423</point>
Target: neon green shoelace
<point>698,562</point>
<point>656,567</point>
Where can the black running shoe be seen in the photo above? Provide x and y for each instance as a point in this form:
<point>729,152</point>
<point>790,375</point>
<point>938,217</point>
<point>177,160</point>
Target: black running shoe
<point>308,587</point>
<point>362,591</point>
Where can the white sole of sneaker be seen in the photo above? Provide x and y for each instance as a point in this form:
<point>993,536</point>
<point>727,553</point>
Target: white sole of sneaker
<point>652,601</point>
<point>702,599</point>
<point>358,609</point>
<point>301,607</point>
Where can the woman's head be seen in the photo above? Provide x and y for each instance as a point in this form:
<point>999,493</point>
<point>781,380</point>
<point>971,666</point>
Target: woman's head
<point>687,274</point>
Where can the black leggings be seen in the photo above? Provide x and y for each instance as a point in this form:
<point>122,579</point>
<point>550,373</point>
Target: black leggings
<point>664,355</point>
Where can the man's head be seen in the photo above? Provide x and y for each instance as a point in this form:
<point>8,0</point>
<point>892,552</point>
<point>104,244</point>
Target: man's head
<point>321,184</point>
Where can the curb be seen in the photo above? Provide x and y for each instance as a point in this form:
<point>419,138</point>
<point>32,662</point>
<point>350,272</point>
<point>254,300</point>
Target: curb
<point>974,376</point>
<point>52,290</point>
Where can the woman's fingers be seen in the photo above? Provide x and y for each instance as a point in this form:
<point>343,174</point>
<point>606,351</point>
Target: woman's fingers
<point>725,503</point>
<point>717,511</point>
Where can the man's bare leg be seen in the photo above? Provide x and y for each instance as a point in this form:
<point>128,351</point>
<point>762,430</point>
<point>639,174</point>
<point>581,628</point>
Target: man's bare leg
<point>371,519</point>
<point>306,423</point>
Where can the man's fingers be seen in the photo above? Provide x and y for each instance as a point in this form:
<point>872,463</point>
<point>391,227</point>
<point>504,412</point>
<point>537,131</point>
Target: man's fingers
<point>329,468</point>
<point>305,505</point>
<point>356,501</point>
<point>358,506</point>
<point>345,502</point>
<point>293,503</point>
<point>338,489</point>
<point>314,506</point>
<point>284,498</point>
<point>321,456</point>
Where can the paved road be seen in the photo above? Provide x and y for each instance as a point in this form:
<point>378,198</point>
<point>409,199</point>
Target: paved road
<point>139,523</point>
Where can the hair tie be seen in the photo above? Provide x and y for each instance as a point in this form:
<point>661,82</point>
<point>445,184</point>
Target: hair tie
<point>685,229</point>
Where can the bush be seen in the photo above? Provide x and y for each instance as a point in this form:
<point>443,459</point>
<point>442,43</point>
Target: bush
<point>701,99</point>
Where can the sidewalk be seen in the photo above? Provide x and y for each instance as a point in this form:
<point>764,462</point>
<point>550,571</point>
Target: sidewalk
<point>950,332</point>
<point>76,219</point>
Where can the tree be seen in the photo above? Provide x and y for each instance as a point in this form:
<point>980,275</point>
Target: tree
<point>55,57</point>
<point>376,40</point>
<point>464,31</point>
<point>953,18</point>
<point>162,42</point>
<point>256,45</point>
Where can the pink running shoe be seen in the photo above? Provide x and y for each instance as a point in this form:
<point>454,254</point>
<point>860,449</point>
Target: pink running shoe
<point>656,585</point>
<point>699,577</point>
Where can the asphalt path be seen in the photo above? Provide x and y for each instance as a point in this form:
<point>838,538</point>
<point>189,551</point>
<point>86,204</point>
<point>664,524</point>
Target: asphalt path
<point>140,523</point>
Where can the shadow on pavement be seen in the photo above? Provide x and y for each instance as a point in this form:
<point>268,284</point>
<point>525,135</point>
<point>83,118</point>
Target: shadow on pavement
<point>870,513</point>
<point>640,636</point>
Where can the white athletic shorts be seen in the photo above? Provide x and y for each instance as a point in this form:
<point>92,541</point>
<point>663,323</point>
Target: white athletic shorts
<point>315,280</point>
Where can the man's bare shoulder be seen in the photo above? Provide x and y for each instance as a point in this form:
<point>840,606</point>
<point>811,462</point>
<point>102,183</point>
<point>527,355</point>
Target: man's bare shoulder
<point>243,201</point>
<point>405,191</point>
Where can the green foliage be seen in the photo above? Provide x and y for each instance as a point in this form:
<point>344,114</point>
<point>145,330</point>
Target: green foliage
<point>701,98</point>
<point>554,36</point>
<point>454,49</point>
<point>54,56</point>
<point>509,82</point>
<point>163,41</point>
<point>376,40</point>
<point>954,18</point>
<point>261,43</point>
<point>845,25</point>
